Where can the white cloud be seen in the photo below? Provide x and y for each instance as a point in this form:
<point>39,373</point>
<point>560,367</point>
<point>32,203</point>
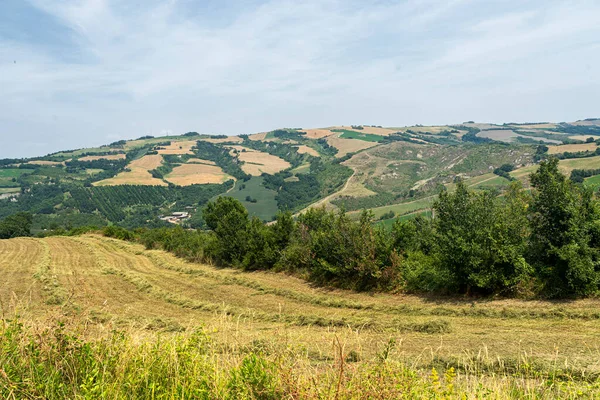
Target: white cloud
<point>155,68</point>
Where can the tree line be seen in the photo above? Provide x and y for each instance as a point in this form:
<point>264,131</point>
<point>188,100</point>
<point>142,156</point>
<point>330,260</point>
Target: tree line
<point>540,243</point>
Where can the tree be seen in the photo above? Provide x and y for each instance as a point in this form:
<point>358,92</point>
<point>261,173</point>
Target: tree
<point>480,247</point>
<point>228,219</point>
<point>563,221</point>
<point>16,225</point>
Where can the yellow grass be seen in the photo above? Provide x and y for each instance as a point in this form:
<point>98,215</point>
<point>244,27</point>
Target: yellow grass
<point>196,174</point>
<point>304,149</point>
<point>258,136</point>
<point>109,284</point>
<point>258,162</point>
<point>200,161</point>
<point>583,137</point>
<point>536,126</point>
<point>184,147</point>
<point>346,146</point>
<point>138,174</point>
<point>106,157</point>
<point>369,129</point>
<point>317,133</point>
<point>41,162</point>
<point>571,148</point>
<point>229,139</point>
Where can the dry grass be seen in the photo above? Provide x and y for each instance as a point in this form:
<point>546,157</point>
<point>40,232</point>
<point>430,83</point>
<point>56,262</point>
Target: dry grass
<point>535,126</point>
<point>131,286</point>
<point>369,129</point>
<point>105,157</point>
<point>42,162</point>
<point>200,161</point>
<point>317,133</point>
<point>258,162</point>
<point>184,147</point>
<point>138,173</point>
<point>583,137</point>
<point>304,149</point>
<point>346,146</point>
<point>197,174</point>
<point>229,139</point>
<point>572,148</point>
<point>258,136</point>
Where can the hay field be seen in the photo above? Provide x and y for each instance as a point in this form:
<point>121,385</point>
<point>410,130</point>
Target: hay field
<point>138,173</point>
<point>317,133</point>
<point>105,157</point>
<point>200,161</point>
<point>258,162</point>
<point>106,285</point>
<point>572,148</point>
<point>304,149</point>
<point>183,147</point>
<point>229,139</point>
<point>346,146</point>
<point>369,129</point>
<point>583,137</point>
<point>197,174</point>
<point>258,136</point>
<point>42,162</point>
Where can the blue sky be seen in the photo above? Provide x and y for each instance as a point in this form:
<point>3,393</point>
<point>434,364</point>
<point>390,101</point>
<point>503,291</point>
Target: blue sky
<point>77,73</point>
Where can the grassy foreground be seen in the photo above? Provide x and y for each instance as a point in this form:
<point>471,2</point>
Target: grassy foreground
<point>94,317</point>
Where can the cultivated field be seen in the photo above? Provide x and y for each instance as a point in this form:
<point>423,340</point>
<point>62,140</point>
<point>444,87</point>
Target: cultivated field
<point>328,339</point>
<point>138,173</point>
<point>104,157</point>
<point>572,148</point>
<point>42,162</point>
<point>195,174</point>
<point>184,147</point>
<point>317,133</point>
<point>346,146</point>
<point>304,149</point>
<point>257,162</point>
<point>373,130</point>
<point>228,139</point>
<point>584,137</point>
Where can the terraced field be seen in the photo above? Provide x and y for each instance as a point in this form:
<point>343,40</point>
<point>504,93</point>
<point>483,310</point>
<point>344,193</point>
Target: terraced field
<point>110,283</point>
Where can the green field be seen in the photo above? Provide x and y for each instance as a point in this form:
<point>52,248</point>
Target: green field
<point>4,190</point>
<point>401,208</point>
<point>388,223</point>
<point>367,137</point>
<point>593,182</point>
<point>266,205</point>
<point>13,172</point>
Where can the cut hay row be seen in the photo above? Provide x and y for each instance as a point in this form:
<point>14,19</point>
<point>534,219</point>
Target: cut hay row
<point>123,284</point>
<point>197,174</point>
<point>138,173</point>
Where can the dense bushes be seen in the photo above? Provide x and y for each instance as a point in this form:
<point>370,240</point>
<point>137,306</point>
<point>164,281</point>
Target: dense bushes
<point>545,243</point>
<point>16,225</point>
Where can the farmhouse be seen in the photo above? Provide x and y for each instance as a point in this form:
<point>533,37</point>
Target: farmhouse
<point>176,217</point>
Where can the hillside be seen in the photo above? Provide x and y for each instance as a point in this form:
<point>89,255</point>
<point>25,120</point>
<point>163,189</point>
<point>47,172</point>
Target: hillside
<point>509,347</point>
<point>393,170</point>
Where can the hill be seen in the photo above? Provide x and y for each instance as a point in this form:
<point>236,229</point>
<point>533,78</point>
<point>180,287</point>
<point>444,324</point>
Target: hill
<point>123,309</point>
<point>142,182</point>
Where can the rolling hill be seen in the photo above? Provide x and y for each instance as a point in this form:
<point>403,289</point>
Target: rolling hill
<point>138,182</point>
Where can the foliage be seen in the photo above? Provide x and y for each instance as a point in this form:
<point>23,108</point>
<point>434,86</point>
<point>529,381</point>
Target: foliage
<point>16,225</point>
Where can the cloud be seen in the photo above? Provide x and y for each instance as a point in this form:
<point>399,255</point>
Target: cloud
<point>123,70</point>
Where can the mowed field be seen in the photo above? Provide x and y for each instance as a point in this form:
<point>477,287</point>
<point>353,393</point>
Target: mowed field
<point>138,173</point>
<point>103,157</point>
<point>257,162</point>
<point>572,148</point>
<point>196,174</point>
<point>346,146</point>
<point>106,284</point>
<point>184,147</point>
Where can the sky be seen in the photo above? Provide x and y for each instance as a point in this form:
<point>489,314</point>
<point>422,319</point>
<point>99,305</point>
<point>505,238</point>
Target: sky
<point>79,73</point>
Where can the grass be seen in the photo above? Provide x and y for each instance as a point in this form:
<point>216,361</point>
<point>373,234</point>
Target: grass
<point>367,137</point>
<point>388,223</point>
<point>9,173</point>
<point>265,207</point>
<point>4,190</point>
<point>401,208</point>
<point>102,318</point>
<point>593,182</point>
